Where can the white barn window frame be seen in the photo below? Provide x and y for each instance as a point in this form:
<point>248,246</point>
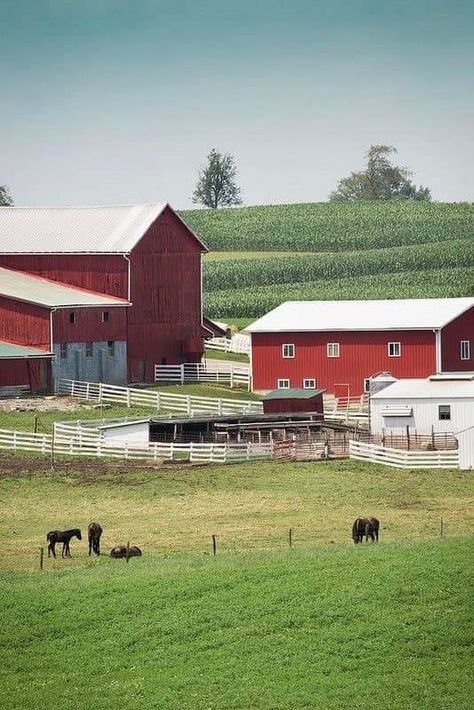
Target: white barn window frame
<point>465,347</point>
<point>283,383</point>
<point>333,350</point>
<point>309,383</point>
<point>288,351</point>
<point>394,348</point>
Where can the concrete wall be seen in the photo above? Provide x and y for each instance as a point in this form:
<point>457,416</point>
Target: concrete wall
<point>101,367</point>
<point>425,415</point>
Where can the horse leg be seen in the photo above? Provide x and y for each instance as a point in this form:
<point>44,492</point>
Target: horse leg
<point>51,550</point>
<point>90,546</point>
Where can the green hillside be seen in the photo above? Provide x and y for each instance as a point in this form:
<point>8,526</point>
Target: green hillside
<point>265,255</point>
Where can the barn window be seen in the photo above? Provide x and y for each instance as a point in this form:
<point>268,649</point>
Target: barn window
<point>333,349</point>
<point>283,384</point>
<point>367,384</point>
<point>111,348</point>
<point>394,349</point>
<point>105,316</point>
<point>465,349</point>
<point>288,350</point>
<point>63,351</point>
<point>444,412</point>
<point>72,317</point>
<point>309,384</point>
<point>89,349</point>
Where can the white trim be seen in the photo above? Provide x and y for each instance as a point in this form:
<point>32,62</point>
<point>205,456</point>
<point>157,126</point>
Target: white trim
<point>291,348</point>
<point>309,387</point>
<point>468,349</point>
<point>398,347</point>
<point>333,350</point>
<point>283,387</point>
<point>439,367</point>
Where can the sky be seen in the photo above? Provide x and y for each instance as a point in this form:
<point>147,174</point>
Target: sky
<point>120,101</point>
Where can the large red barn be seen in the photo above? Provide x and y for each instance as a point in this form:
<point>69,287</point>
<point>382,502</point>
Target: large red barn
<point>143,257</point>
<point>339,345</point>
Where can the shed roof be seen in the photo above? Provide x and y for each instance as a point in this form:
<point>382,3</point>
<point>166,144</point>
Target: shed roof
<point>52,294</point>
<point>293,394</point>
<point>406,314</point>
<point>70,230</point>
<point>427,389</point>
<point>9,351</point>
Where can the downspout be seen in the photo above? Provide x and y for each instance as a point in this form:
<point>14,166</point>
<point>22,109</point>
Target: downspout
<point>51,345</point>
<point>127,259</point>
<point>129,291</point>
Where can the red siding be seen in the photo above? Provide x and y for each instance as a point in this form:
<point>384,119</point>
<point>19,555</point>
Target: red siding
<point>89,325</point>
<point>291,406</point>
<point>24,323</point>
<point>361,355</point>
<point>102,273</point>
<point>36,373</point>
<point>461,328</point>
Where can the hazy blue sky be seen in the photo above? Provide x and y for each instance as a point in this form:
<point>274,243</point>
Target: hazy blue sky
<point>119,101</point>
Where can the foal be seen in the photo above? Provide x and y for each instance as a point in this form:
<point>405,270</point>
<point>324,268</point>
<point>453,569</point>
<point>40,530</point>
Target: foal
<point>365,526</point>
<point>56,536</point>
<point>94,531</point>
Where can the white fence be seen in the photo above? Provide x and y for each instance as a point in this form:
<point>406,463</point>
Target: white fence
<point>161,401</point>
<point>403,459</point>
<point>239,343</point>
<point>227,374</point>
<point>25,441</point>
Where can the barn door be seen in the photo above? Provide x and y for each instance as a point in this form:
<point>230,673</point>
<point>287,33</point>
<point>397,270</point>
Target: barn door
<point>141,371</point>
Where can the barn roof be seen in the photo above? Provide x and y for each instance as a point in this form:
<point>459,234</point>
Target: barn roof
<point>406,314</point>
<point>72,230</point>
<point>10,351</point>
<point>52,294</point>
<point>428,388</point>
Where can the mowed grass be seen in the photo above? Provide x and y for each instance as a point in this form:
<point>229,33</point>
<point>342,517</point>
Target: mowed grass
<point>175,509</point>
<point>364,627</point>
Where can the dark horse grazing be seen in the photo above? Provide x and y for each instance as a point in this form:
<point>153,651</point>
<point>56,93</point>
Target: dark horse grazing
<point>56,536</point>
<point>94,531</point>
<point>121,551</point>
<point>365,526</point>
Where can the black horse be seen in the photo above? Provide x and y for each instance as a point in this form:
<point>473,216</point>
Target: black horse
<point>94,531</point>
<point>365,526</point>
<point>120,551</point>
<point>56,536</point>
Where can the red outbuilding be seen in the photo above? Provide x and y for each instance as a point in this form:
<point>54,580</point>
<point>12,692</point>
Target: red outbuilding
<point>293,401</point>
<point>143,257</point>
<point>339,345</point>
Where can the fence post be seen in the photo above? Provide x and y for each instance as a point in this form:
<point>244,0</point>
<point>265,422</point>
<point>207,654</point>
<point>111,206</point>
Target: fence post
<point>100,392</point>
<point>231,376</point>
<point>128,396</point>
<point>441,528</point>
<point>127,554</point>
<point>290,537</point>
<point>219,406</point>
<point>188,403</point>
<point>182,374</point>
<point>41,557</point>
<point>214,545</point>
<point>158,400</point>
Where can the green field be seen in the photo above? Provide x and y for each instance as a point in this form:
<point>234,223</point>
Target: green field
<point>326,624</point>
<point>333,251</point>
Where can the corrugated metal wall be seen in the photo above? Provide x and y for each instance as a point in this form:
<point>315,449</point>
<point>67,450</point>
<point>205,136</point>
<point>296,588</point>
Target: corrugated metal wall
<point>24,323</point>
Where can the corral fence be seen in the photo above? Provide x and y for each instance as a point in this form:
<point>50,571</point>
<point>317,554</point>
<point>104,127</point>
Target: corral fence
<point>400,458</point>
<point>239,343</point>
<point>189,405</point>
<point>227,374</point>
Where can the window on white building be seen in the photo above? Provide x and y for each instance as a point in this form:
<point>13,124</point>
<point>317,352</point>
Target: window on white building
<point>394,349</point>
<point>288,350</point>
<point>333,350</point>
<point>309,383</point>
<point>465,349</point>
<point>283,384</point>
<point>444,412</point>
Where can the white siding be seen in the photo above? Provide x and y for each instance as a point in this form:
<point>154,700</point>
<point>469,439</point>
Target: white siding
<point>134,432</point>
<point>466,449</point>
<point>425,415</point>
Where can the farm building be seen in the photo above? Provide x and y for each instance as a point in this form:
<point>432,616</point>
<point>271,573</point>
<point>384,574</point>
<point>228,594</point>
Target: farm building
<point>294,400</point>
<point>111,291</point>
<point>340,345</point>
<point>24,368</point>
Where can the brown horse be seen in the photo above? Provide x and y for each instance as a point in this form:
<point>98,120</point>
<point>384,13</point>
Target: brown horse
<point>56,536</point>
<point>365,526</point>
<point>94,531</point>
<point>120,551</point>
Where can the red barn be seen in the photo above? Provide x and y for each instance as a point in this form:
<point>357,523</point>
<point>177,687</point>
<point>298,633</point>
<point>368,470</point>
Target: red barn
<point>143,257</point>
<point>339,345</point>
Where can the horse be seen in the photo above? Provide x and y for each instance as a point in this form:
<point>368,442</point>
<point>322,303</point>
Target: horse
<point>56,536</point>
<point>120,551</point>
<point>94,531</point>
<point>365,526</point>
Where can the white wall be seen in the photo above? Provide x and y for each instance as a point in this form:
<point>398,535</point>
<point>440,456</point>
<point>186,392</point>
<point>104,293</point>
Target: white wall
<point>134,432</point>
<point>466,449</point>
<point>425,415</point>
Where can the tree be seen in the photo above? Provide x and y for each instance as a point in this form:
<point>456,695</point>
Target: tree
<point>216,185</point>
<point>6,200</point>
<point>381,180</point>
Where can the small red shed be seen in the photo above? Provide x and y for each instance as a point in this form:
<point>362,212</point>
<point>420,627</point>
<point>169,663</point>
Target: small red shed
<point>292,401</point>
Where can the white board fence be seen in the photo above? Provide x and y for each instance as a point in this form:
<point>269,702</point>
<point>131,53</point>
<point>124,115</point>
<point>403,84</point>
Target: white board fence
<point>229,374</point>
<point>399,458</point>
<point>239,343</point>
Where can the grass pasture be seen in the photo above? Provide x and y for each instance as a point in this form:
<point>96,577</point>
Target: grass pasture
<point>325,624</point>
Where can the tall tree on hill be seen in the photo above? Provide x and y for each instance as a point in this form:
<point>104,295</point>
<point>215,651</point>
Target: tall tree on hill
<point>6,200</point>
<point>216,185</point>
<point>381,180</point>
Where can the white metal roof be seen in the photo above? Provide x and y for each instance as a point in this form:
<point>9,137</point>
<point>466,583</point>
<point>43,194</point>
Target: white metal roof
<point>10,351</point>
<point>426,389</point>
<point>407,314</point>
<point>53,230</point>
<point>44,292</point>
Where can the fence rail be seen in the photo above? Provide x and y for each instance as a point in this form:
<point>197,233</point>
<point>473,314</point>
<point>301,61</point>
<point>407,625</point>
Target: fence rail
<point>132,397</point>
<point>25,441</point>
<point>399,458</point>
<point>227,374</point>
<point>237,344</point>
